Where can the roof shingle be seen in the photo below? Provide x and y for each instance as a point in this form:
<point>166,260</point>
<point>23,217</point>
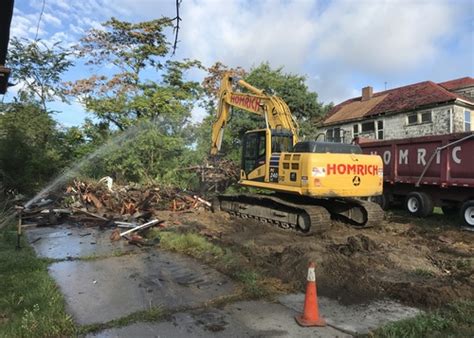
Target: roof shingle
<point>406,98</point>
<point>458,83</point>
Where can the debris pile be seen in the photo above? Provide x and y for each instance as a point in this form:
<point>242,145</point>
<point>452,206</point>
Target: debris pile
<point>106,204</point>
<point>217,174</point>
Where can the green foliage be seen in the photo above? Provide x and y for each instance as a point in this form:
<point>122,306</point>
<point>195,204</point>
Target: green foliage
<point>30,303</point>
<point>29,147</point>
<point>292,88</point>
<point>38,68</point>
<point>138,95</point>
<point>154,114</point>
<point>137,53</point>
<point>455,320</point>
<point>189,244</point>
<point>152,314</point>
<point>32,148</point>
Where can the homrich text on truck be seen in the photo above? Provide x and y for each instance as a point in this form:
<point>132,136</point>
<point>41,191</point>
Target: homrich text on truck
<point>428,171</point>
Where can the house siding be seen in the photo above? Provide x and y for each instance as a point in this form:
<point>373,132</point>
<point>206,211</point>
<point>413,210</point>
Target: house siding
<point>468,92</point>
<point>396,126</point>
<point>459,118</point>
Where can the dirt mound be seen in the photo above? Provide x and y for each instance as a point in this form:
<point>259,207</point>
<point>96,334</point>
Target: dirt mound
<point>358,243</point>
<point>414,264</point>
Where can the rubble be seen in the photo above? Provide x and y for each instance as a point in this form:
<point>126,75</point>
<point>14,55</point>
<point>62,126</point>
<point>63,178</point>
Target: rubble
<point>217,174</point>
<point>104,204</point>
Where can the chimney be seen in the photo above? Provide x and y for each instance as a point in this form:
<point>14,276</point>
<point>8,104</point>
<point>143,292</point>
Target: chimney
<point>367,93</point>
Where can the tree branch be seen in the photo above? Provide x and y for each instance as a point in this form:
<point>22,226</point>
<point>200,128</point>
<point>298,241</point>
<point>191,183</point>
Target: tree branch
<point>176,27</point>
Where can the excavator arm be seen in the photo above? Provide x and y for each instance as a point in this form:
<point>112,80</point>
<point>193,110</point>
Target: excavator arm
<point>273,109</point>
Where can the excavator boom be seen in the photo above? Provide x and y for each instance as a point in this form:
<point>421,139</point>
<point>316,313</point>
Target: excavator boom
<point>273,109</point>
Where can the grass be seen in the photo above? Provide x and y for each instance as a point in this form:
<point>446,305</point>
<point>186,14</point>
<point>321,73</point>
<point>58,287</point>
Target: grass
<point>464,264</point>
<point>454,320</point>
<point>94,257</point>
<point>423,273</point>
<point>30,302</point>
<point>189,244</point>
<point>151,315</point>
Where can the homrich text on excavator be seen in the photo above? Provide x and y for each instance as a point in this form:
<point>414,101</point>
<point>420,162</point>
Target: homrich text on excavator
<point>311,182</point>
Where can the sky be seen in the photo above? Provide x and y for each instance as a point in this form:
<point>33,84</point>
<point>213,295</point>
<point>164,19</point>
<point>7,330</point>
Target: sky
<point>340,46</point>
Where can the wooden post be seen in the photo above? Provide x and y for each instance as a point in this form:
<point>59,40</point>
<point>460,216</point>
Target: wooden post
<point>18,236</point>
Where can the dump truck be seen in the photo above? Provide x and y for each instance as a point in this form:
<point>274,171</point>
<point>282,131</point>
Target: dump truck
<point>427,172</point>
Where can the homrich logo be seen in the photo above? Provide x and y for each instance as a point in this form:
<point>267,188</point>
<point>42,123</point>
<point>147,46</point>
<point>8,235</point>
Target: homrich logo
<point>249,102</point>
<point>353,169</point>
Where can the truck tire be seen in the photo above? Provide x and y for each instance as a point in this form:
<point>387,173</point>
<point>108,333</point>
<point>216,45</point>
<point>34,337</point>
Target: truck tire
<point>419,204</point>
<point>467,213</point>
<point>450,210</point>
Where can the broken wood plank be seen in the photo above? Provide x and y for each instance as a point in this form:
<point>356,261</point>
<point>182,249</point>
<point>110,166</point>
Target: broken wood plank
<point>140,227</point>
<point>91,214</point>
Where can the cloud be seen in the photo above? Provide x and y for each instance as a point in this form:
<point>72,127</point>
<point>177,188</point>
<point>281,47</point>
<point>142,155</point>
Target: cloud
<point>50,19</point>
<point>340,45</point>
<point>384,36</point>
<point>23,25</point>
<point>246,33</point>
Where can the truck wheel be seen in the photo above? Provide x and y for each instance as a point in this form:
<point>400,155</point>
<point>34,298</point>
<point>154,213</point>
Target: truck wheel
<point>467,213</point>
<point>450,210</point>
<point>419,204</point>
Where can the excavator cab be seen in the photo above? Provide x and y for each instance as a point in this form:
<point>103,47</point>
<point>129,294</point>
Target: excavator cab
<point>253,150</point>
<point>257,148</point>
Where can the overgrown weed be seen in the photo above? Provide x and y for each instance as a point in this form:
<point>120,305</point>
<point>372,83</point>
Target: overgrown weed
<point>454,320</point>
<point>30,302</point>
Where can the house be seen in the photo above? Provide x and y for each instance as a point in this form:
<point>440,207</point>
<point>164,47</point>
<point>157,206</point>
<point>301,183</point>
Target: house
<point>419,109</point>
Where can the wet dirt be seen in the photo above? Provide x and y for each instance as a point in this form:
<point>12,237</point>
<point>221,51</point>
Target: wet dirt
<point>400,258</point>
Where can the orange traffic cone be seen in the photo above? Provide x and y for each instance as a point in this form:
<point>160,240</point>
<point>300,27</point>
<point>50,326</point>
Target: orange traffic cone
<point>310,316</point>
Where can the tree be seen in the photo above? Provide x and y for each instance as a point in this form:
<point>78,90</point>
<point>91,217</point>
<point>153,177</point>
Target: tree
<point>32,149</point>
<point>29,154</point>
<point>143,90</point>
<point>38,68</point>
<point>137,53</point>
<point>292,88</point>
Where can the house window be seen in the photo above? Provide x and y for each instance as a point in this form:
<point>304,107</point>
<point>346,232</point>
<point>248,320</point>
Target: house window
<point>368,127</point>
<point>333,135</point>
<point>329,135</point>
<point>426,117</point>
<point>412,118</point>
<point>380,130</point>
<point>467,120</point>
<point>355,130</point>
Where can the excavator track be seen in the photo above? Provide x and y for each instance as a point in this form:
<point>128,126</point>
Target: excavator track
<point>309,219</point>
<point>356,212</point>
<point>307,215</point>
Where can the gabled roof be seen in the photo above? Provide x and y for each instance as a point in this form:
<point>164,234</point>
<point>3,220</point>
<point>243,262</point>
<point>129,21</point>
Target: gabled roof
<point>397,100</point>
<point>458,83</point>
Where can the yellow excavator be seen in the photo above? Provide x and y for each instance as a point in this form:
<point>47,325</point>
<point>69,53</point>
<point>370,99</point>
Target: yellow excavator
<point>311,181</point>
